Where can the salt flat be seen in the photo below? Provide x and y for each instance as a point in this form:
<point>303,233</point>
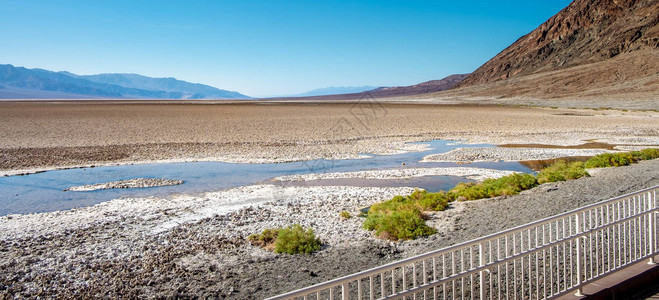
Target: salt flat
<point>41,135</point>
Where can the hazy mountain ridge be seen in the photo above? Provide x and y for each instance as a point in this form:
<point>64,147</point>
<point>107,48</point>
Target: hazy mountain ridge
<point>396,91</point>
<point>168,84</point>
<point>333,90</point>
<point>104,85</point>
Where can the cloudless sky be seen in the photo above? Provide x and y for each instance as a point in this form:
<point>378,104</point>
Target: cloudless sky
<point>270,47</point>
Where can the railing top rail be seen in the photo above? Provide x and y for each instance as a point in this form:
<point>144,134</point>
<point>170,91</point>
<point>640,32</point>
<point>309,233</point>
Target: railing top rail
<point>434,253</point>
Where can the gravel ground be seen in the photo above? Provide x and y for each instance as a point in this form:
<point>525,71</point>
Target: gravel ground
<point>188,247</point>
<point>44,135</point>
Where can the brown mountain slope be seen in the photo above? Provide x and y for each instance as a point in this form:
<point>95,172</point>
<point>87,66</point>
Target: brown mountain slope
<point>586,32</point>
<point>628,80</point>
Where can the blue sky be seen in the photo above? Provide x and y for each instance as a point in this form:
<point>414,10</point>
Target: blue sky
<point>265,48</point>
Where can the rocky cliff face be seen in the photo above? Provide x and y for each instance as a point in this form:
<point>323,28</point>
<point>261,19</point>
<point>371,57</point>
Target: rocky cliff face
<point>585,32</point>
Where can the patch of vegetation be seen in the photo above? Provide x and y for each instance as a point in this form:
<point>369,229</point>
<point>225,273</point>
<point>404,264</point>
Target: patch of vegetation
<point>345,215</point>
<point>646,154</point>
<point>420,200</point>
<point>295,239</point>
<point>610,160</point>
<point>266,239</point>
<point>404,224</point>
<point>402,218</point>
<point>435,201</point>
<point>426,201</point>
<point>562,171</point>
<point>395,203</point>
<point>292,240</point>
<point>606,160</point>
<point>507,185</point>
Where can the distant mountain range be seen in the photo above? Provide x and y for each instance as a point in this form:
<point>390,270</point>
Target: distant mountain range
<point>336,90</point>
<point>431,86</point>
<point>22,83</point>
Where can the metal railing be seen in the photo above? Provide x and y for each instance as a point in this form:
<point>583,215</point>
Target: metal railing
<point>539,260</point>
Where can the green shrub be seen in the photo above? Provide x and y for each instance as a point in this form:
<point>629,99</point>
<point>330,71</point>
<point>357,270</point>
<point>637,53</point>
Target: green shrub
<point>345,215</point>
<point>426,201</point>
<point>401,218</point>
<point>399,224</point>
<point>294,239</point>
<point>606,160</point>
<point>562,171</point>
<point>468,191</point>
<point>397,203</point>
<point>507,185</point>
<point>646,154</point>
<point>434,201</point>
<point>621,159</point>
<point>419,199</point>
<point>265,239</point>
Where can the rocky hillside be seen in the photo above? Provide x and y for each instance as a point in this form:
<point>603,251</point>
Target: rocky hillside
<point>586,32</point>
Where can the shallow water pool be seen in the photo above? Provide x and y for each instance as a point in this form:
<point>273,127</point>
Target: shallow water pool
<point>43,192</point>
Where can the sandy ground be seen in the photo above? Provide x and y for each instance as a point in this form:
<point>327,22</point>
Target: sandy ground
<point>42,135</point>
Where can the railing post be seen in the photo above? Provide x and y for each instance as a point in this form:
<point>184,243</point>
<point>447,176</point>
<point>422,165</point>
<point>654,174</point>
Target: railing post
<point>651,223</point>
<point>481,263</point>
<point>344,291</point>
<point>577,223</point>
